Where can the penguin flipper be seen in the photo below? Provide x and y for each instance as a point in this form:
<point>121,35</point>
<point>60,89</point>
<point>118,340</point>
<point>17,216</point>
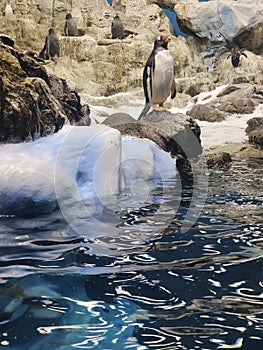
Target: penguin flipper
<point>144,111</point>
<point>173,89</point>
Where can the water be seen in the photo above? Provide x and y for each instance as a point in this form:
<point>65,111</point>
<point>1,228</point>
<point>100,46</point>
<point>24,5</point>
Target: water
<point>153,286</point>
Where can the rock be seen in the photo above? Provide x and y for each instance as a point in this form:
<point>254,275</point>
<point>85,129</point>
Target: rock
<point>238,152</point>
<point>200,82</point>
<point>206,112</point>
<point>254,123</point>
<point>242,100</point>
<point>216,26</point>
<point>256,137</point>
<point>7,40</point>
<point>218,160</point>
<point>247,72</point>
<point>223,21</point>
<point>234,99</point>
<point>32,103</point>
<point>174,133</point>
<point>68,98</point>
<point>255,131</point>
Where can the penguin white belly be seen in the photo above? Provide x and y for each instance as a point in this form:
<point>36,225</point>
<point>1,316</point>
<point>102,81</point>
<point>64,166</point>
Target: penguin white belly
<point>162,77</point>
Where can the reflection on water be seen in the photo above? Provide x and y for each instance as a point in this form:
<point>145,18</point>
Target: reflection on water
<point>152,287</point>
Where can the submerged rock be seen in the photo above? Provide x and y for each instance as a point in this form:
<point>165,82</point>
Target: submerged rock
<point>218,160</point>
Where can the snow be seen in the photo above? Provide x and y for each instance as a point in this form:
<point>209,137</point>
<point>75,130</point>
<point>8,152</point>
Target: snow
<point>231,130</point>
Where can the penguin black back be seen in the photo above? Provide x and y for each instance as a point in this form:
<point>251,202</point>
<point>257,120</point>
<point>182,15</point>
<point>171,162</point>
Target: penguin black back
<point>117,31</point>
<point>51,48</point>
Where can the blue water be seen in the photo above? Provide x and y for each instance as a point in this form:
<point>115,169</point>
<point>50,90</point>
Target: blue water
<point>151,287</point>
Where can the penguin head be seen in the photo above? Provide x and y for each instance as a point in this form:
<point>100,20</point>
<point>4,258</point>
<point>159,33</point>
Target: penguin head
<point>161,41</point>
<point>51,31</point>
<point>68,16</point>
<point>116,18</point>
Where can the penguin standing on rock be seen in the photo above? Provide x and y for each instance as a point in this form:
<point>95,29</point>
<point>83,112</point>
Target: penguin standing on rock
<point>117,30</point>
<point>158,76</point>
<point>70,27</point>
<point>51,49</point>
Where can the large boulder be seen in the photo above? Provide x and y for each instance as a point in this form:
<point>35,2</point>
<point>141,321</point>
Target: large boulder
<point>216,26</point>
<point>223,20</point>
<point>174,133</point>
<point>32,103</point>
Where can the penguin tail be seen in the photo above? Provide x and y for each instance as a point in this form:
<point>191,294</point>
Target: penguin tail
<point>144,111</point>
<point>173,90</point>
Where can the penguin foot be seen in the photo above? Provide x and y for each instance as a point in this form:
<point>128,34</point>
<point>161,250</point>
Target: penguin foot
<point>158,108</point>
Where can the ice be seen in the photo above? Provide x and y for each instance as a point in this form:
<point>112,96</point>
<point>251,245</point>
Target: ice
<point>36,176</point>
<point>85,165</point>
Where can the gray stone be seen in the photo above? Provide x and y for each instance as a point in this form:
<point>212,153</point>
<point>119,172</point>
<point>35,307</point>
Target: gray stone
<point>207,113</point>
<point>174,133</point>
<point>255,131</point>
<point>218,160</point>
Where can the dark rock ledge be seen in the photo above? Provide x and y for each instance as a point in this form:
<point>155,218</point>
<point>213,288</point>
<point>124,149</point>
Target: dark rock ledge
<point>174,133</point>
<point>32,103</point>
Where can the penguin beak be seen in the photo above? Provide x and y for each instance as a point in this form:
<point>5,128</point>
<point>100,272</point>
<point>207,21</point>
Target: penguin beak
<point>167,40</point>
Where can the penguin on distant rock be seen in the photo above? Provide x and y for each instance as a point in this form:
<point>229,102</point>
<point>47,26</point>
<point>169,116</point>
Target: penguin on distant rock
<point>51,49</point>
<point>235,55</point>
<point>70,27</point>
<point>117,30</point>
<point>158,76</point>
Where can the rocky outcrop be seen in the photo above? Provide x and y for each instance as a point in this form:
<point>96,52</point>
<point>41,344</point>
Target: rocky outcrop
<point>216,26</point>
<point>223,22</point>
<point>206,112</point>
<point>234,99</point>
<point>255,131</point>
<point>32,103</point>
<point>218,160</point>
<point>101,66</point>
<point>174,133</point>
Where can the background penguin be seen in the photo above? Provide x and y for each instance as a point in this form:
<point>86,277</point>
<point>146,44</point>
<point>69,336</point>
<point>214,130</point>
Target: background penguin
<point>158,76</point>
<point>235,55</point>
<point>51,49</point>
<point>70,27</point>
<point>117,30</point>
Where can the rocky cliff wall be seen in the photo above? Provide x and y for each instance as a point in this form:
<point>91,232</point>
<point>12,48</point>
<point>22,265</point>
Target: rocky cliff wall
<point>101,66</point>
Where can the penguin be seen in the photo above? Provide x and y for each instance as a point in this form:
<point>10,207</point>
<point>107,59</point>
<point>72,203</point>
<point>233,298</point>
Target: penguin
<point>158,76</point>
<point>70,27</point>
<point>117,30</point>
<point>235,55</point>
<point>51,49</point>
